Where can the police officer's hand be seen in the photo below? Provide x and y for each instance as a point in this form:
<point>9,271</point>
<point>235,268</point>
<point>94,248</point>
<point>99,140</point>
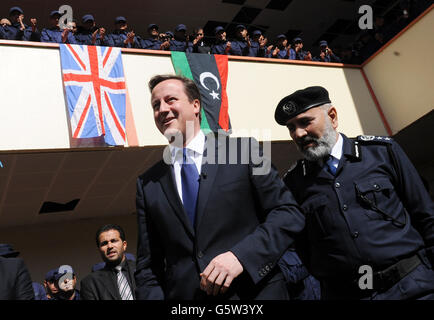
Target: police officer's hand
<point>228,47</point>
<point>165,45</point>
<point>249,44</point>
<point>33,22</point>
<point>329,51</point>
<point>20,20</point>
<point>308,56</point>
<point>269,48</point>
<point>220,272</point>
<point>275,52</point>
<point>322,55</point>
<point>262,41</point>
<point>102,32</point>
<point>65,35</point>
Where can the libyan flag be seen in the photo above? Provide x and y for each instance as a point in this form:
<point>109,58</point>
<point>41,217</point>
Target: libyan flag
<point>210,73</point>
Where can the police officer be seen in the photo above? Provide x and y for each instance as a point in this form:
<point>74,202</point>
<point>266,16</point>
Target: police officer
<point>257,44</point>
<point>368,214</point>
<point>241,45</point>
<point>55,34</point>
<point>89,34</point>
<point>121,37</point>
<point>181,41</point>
<point>221,44</point>
<point>326,54</point>
<point>18,30</point>
<point>281,50</point>
<point>153,42</point>
<point>298,53</point>
<point>60,284</point>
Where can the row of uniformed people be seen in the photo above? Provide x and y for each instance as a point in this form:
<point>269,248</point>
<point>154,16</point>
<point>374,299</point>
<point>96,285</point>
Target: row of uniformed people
<point>89,34</point>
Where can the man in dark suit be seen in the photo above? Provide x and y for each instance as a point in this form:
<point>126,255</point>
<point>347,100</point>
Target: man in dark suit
<point>116,280</point>
<point>212,222</point>
<point>15,281</point>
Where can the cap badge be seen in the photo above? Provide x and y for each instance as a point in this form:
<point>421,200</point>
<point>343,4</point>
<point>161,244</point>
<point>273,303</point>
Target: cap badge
<point>289,107</point>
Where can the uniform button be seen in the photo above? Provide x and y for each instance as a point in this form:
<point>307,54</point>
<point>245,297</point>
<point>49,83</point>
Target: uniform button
<point>337,184</point>
<point>355,234</point>
<point>200,254</point>
<point>345,207</point>
<point>267,268</point>
<point>376,186</point>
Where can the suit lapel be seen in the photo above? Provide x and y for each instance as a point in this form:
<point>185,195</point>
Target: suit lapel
<point>110,285</point>
<point>208,176</point>
<point>168,185</point>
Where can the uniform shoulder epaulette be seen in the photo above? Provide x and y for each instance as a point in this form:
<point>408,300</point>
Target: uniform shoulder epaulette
<point>374,139</point>
<point>292,167</point>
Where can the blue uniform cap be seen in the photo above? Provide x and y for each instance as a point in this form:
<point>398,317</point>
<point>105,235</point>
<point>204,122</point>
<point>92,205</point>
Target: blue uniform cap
<point>218,29</point>
<point>281,36</point>
<point>87,17</point>
<point>323,43</point>
<point>180,27</point>
<point>120,19</point>
<point>54,12</point>
<point>298,39</point>
<point>56,274</point>
<point>241,26</point>
<point>152,25</point>
<point>299,102</point>
<point>7,251</point>
<point>257,33</point>
<point>170,33</point>
<point>15,9</point>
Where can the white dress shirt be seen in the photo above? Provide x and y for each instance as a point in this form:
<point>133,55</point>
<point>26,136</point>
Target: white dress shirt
<point>337,151</point>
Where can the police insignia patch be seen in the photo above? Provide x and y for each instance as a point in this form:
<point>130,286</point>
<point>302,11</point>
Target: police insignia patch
<point>367,138</point>
<point>289,108</point>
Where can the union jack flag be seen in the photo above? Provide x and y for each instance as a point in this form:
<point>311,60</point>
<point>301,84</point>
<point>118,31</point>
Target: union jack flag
<point>95,91</point>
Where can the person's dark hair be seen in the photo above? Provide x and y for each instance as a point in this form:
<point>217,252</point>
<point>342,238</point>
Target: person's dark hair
<point>190,88</point>
<point>108,227</point>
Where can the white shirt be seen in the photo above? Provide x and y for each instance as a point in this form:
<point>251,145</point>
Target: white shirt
<point>194,151</point>
<point>337,151</point>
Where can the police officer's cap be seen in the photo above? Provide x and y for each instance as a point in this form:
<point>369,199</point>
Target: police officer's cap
<point>170,33</point>
<point>257,33</point>
<point>298,39</point>
<point>87,17</point>
<point>152,26</point>
<point>120,19</point>
<point>13,9</point>
<point>181,27</point>
<point>54,13</point>
<point>241,26</point>
<point>299,102</point>
<point>56,274</point>
<point>7,251</point>
<point>281,36</point>
<point>218,29</point>
<point>323,43</point>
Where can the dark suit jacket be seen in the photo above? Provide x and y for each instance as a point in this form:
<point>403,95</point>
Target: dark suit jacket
<point>102,284</point>
<point>253,216</point>
<point>15,281</point>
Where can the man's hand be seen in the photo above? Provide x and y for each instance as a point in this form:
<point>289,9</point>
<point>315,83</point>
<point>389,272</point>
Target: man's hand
<point>33,22</point>
<point>219,274</point>
<point>275,52</point>
<point>65,35</point>
<point>102,33</point>
<point>262,42</point>
<point>130,37</point>
<point>322,55</point>
<point>20,20</point>
<point>94,36</point>
<point>228,47</point>
<point>165,45</point>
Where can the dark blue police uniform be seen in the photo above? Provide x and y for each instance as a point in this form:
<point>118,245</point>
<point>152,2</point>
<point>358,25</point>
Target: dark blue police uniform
<point>255,50</point>
<point>85,37</point>
<point>54,35</point>
<point>374,211</point>
<point>118,37</point>
<point>14,32</point>
<point>219,47</point>
<point>239,48</point>
<point>150,43</point>
<point>177,45</point>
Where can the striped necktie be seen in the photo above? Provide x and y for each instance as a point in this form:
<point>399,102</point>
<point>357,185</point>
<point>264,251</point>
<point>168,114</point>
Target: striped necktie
<point>124,287</point>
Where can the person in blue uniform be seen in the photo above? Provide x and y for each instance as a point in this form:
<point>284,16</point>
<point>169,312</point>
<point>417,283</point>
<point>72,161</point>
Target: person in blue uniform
<point>297,53</point>
<point>18,30</point>
<point>369,219</point>
<point>55,34</point>
<point>60,284</point>
<point>257,44</point>
<point>181,41</point>
<point>282,49</point>
<point>221,44</point>
<point>241,45</point>
<point>121,36</point>
<point>153,42</point>
<point>91,35</point>
<point>326,54</point>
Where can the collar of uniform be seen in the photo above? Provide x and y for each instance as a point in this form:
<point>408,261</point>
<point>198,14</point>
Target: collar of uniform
<point>196,145</point>
<point>351,148</point>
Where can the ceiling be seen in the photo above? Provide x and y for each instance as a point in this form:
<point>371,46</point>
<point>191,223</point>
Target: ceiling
<point>82,184</point>
<point>313,20</point>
